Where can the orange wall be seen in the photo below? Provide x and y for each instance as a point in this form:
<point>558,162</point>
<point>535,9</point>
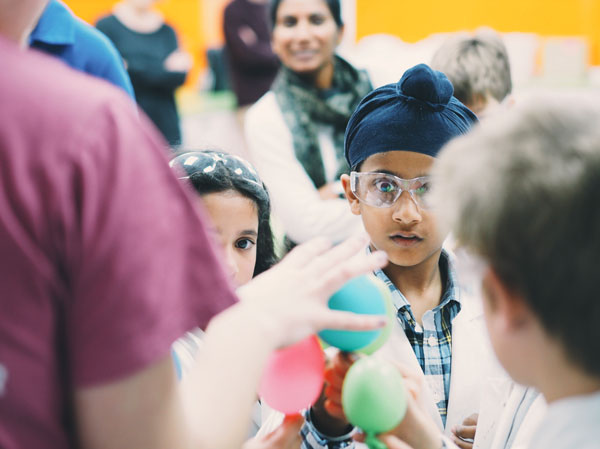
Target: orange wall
<point>186,16</point>
<point>199,22</point>
<point>414,20</point>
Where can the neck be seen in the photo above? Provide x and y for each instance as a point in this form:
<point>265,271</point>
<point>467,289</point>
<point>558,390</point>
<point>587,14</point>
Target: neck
<point>133,9</point>
<point>567,380</point>
<point>19,18</point>
<point>324,77</point>
<point>420,284</point>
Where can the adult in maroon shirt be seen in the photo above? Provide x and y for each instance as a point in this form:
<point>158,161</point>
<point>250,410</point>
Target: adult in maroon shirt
<point>103,263</point>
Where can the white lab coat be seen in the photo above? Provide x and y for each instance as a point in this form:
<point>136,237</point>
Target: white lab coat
<point>501,400</point>
<point>473,361</point>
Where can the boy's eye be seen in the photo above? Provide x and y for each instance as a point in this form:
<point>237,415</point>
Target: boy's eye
<point>423,189</point>
<point>385,185</point>
<point>244,243</point>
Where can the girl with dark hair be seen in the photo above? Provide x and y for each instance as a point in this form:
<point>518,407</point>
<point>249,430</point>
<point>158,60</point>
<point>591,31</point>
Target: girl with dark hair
<point>295,132</point>
<point>230,187</point>
<point>238,206</point>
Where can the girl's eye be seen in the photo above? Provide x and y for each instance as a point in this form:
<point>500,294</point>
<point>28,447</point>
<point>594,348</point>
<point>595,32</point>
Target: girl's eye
<point>244,243</point>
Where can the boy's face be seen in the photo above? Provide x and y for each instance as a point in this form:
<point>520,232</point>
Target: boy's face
<point>405,231</point>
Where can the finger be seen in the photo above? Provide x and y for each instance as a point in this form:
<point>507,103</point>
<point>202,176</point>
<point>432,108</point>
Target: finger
<point>465,432</point>
<point>334,409</point>
<point>333,394</point>
<point>343,361</point>
<point>462,444</point>
<point>303,254</point>
<point>288,431</point>
<point>335,275</point>
<point>334,319</point>
<point>332,378</point>
<point>471,420</point>
<point>394,443</point>
<point>339,254</point>
<point>359,436</point>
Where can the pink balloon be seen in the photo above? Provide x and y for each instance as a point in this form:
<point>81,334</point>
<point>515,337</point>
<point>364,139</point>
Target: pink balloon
<point>293,377</point>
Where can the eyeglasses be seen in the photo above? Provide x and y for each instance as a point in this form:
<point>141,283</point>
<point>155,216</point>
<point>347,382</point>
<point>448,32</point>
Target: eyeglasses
<point>383,189</point>
<point>205,162</point>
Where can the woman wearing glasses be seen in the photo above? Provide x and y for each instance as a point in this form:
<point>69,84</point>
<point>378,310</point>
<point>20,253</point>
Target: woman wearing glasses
<point>295,132</point>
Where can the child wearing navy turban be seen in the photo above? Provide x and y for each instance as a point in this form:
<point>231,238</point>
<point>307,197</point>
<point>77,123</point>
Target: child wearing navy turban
<point>390,144</point>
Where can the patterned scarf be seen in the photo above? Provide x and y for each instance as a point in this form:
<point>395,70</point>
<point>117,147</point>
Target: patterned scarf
<point>304,107</point>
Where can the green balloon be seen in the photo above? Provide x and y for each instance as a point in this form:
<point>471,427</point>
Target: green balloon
<point>390,311</point>
<point>373,395</point>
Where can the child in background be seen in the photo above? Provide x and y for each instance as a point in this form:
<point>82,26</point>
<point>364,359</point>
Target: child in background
<point>479,69</point>
<point>237,204</point>
<point>392,140</point>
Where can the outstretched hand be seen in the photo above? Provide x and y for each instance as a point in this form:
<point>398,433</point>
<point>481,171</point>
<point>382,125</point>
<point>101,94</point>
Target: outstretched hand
<point>286,436</point>
<point>290,299</point>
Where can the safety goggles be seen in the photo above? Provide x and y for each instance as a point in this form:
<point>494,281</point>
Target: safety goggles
<point>206,162</point>
<point>383,189</point>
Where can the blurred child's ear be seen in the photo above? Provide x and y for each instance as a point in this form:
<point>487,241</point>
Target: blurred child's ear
<point>354,206</point>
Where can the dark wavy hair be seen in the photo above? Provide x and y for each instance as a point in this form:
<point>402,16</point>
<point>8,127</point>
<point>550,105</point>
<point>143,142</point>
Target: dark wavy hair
<point>334,6</point>
<point>226,176</point>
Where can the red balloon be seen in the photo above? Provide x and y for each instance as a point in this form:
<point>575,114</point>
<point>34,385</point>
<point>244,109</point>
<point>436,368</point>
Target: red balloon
<point>293,376</point>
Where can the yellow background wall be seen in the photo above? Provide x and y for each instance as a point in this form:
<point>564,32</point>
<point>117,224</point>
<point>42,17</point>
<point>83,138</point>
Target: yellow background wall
<point>414,20</point>
<point>198,22</point>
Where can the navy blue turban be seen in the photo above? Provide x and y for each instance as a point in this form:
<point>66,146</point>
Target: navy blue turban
<point>416,114</point>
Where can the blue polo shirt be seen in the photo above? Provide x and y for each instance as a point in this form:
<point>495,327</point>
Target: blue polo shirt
<point>80,45</point>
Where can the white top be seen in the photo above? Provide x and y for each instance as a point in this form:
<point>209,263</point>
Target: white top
<point>296,201</point>
<point>570,423</point>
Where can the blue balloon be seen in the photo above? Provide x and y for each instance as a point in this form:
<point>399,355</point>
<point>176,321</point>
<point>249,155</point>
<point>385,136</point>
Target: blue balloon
<point>362,295</point>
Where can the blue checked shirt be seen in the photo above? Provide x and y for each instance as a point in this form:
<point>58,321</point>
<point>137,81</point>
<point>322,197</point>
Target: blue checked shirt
<point>431,342</point>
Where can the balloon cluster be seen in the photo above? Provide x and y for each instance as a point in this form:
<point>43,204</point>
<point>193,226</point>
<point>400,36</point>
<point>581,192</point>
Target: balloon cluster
<point>373,394</point>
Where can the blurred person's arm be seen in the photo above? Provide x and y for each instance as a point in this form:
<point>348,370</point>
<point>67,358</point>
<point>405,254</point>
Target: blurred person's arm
<point>213,408</point>
<point>244,45</point>
<point>296,200</point>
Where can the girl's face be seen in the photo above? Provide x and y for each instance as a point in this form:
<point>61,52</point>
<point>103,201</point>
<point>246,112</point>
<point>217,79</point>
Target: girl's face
<point>235,226</point>
<point>305,35</point>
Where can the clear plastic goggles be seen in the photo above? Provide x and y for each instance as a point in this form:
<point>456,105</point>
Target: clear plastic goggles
<point>383,189</point>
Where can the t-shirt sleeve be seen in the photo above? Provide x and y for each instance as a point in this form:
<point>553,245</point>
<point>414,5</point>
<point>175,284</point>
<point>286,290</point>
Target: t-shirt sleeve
<point>141,270</point>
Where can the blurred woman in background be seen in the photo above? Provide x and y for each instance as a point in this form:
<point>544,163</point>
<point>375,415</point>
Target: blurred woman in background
<point>156,64</point>
<point>295,132</point>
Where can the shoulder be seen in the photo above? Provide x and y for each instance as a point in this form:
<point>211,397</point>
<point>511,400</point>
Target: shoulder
<point>167,30</point>
<point>264,118</point>
<point>55,107</point>
<point>92,41</point>
<point>266,109</point>
<point>107,22</point>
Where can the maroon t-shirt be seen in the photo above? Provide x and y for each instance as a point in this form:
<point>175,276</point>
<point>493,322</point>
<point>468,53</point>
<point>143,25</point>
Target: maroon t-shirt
<point>104,261</point>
